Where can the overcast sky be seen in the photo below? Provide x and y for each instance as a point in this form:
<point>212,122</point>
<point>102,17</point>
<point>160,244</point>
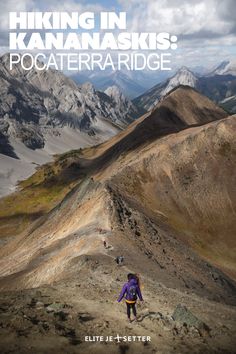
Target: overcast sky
<point>205,28</point>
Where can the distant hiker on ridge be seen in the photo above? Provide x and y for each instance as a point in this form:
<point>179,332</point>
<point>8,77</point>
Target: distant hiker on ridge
<point>131,291</point>
<point>119,260</point>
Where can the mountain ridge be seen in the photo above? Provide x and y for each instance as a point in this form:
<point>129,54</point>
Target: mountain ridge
<point>56,100</point>
<point>215,87</point>
<point>161,193</point>
<point>226,67</point>
<point>47,113</point>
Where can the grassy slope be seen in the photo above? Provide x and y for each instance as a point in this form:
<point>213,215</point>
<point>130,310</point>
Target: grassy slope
<point>39,193</point>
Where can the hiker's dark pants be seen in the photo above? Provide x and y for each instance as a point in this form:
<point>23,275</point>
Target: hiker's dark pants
<point>129,307</point>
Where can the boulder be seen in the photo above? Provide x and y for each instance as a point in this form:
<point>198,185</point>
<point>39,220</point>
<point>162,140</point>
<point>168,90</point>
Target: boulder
<point>184,316</point>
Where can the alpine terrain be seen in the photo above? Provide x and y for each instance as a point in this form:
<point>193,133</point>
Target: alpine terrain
<point>219,85</point>
<point>44,113</point>
<point>161,193</point>
<point>126,82</point>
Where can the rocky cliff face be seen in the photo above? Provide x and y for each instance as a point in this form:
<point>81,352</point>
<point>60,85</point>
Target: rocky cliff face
<point>151,97</point>
<point>226,67</point>
<point>122,104</point>
<point>218,86</point>
<point>33,102</point>
<point>44,113</point>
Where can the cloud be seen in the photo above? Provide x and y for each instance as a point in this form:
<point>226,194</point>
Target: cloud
<point>12,5</point>
<point>42,5</point>
<point>199,24</point>
<point>182,17</point>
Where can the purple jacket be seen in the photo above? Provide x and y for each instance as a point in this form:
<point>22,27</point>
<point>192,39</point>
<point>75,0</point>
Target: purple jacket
<point>125,290</point>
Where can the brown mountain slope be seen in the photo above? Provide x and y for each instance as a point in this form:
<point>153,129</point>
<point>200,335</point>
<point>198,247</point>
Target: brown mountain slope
<point>182,108</point>
<point>187,180</point>
<point>175,180</point>
<point>165,200</point>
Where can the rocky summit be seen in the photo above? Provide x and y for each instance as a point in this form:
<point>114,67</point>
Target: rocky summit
<point>43,113</point>
<point>219,85</point>
<point>38,100</point>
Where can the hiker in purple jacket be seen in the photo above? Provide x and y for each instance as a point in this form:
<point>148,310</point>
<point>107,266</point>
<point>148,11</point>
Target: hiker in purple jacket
<point>130,292</point>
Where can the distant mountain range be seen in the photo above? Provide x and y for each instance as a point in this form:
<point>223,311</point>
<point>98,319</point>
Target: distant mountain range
<point>219,85</point>
<point>225,68</point>
<point>32,101</point>
<point>146,88</point>
<point>131,83</point>
<point>46,112</point>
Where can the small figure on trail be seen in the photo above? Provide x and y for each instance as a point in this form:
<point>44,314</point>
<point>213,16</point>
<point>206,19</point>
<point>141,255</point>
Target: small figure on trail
<point>105,243</point>
<point>119,260</point>
<point>131,292</point>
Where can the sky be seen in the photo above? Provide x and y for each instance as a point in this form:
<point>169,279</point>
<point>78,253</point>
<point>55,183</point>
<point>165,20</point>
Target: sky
<point>206,29</point>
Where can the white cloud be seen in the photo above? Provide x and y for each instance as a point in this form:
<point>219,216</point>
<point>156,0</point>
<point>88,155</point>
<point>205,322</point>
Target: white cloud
<point>181,17</point>
<point>12,5</point>
<point>42,5</point>
<point>205,28</point>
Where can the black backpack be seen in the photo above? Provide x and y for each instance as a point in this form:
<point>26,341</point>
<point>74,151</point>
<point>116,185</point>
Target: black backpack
<point>132,293</point>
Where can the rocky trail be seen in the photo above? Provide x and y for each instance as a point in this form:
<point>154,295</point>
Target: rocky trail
<point>59,317</point>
